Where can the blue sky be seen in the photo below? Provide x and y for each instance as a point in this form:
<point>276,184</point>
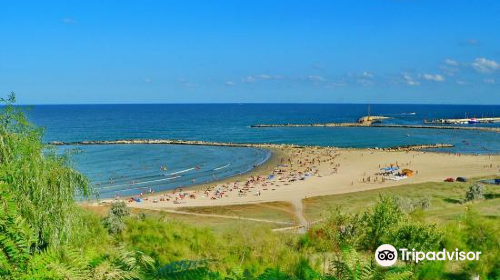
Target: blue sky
<point>373,51</point>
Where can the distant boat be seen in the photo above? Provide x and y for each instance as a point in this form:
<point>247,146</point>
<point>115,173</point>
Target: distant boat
<point>473,121</point>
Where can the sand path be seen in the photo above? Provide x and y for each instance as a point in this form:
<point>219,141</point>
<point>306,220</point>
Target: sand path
<point>223,216</point>
<point>299,213</point>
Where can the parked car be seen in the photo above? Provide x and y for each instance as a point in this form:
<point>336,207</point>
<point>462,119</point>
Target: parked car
<point>461,179</point>
<point>449,180</point>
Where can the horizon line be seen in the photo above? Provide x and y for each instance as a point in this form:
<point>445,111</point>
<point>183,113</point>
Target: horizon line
<point>249,103</point>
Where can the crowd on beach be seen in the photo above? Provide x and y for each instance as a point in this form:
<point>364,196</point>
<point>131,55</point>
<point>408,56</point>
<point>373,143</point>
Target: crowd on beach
<point>295,165</point>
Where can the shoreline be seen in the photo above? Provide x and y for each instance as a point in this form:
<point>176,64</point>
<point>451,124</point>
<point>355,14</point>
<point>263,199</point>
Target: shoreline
<point>275,150</point>
<point>318,171</point>
<point>267,165</point>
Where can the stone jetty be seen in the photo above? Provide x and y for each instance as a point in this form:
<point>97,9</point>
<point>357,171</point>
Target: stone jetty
<point>174,142</point>
<point>228,144</point>
<point>415,147</point>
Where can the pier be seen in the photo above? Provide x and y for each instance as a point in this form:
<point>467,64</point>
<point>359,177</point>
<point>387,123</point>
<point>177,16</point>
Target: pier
<point>464,121</point>
<point>480,128</point>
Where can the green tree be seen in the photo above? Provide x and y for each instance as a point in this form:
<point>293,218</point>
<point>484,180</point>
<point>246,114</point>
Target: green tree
<point>41,182</point>
<point>379,221</point>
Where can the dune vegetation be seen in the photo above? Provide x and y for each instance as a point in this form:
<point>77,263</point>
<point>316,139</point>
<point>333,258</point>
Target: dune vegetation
<point>46,234</point>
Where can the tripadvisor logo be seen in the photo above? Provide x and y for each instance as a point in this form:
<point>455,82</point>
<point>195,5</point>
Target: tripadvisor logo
<point>387,255</point>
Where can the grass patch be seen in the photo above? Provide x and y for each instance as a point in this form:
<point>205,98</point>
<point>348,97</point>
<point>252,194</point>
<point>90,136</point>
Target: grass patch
<point>272,211</point>
<point>214,223</point>
<point>446,200</point>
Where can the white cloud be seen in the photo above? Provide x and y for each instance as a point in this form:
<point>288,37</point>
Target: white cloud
<point>451,62</point>
<point>249,79</point>
<point>409,80</point>
<point>254,78</point>
<point>490,81</point>
<point>450,67</point>
<point>365,78</point>
<point>484,65</point>
<point>148,80</point>
<point>265,76</point>
<point>315,78</point>
<point>462,83</point>
<point>368,75</point>
<point>435,78</point>
<point>230,83</point>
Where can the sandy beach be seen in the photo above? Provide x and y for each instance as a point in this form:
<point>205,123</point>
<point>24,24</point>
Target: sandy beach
<point>297,173</point>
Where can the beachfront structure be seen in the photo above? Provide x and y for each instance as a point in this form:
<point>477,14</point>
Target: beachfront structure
<point>465,121</point>
<point>407,172</point>
<point>368,120</point>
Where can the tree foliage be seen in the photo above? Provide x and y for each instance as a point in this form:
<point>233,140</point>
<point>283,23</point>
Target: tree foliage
<point>16,237</point>
<point>42,184</point>
<point>379,221</point>
<point>350,265</point>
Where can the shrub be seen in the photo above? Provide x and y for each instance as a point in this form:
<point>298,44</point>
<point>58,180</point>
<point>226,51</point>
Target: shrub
<point>475,192</point>
<point>409,205</point>
<point>337,230</point>
<point>421,236</point>
<point>481,234</point>
<point>114,222</point>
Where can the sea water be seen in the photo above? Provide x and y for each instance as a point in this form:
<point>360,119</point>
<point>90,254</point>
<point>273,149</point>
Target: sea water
<point>132,169</point>
<point>124,170</point>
